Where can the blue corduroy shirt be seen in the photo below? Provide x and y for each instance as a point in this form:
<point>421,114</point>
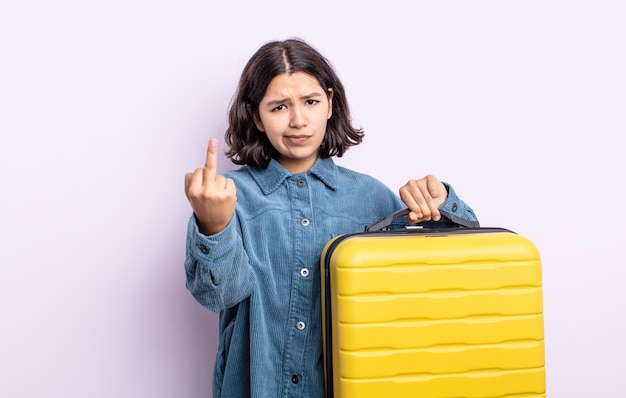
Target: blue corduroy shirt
<point>262,272</point>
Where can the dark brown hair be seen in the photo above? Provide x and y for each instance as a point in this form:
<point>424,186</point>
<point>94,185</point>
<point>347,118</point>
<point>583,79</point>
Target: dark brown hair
<point>250,146</point>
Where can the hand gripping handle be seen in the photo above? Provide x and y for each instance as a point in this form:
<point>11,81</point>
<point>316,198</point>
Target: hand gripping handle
<point>385,222</point>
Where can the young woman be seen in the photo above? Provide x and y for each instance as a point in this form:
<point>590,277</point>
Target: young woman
<point>256,234</point>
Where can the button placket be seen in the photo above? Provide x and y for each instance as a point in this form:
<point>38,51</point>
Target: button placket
<point>300,297</point>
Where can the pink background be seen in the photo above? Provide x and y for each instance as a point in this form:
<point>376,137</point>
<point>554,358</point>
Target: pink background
<point>104,105</point>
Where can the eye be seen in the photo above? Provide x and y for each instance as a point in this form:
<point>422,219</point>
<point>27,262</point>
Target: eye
<point>311,102</point>
<point>278,108</point>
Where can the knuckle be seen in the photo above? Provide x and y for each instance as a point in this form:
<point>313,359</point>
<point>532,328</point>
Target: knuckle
<point>192,192</point>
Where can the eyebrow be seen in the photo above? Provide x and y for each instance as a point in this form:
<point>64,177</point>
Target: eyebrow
<point>283,100</point>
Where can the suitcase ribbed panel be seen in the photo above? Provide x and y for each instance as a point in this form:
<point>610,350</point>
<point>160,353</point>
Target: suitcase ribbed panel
<point>513,384</point>
<point>436,315</point>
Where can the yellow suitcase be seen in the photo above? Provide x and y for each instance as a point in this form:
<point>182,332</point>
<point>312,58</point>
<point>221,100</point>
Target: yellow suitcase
<point>455,312</point>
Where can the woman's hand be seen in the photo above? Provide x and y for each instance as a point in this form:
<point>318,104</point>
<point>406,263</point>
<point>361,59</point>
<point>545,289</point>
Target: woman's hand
<point>212,197</point>
<point>424,197</point>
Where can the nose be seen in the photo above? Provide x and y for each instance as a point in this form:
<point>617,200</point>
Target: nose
<point>297,120</point>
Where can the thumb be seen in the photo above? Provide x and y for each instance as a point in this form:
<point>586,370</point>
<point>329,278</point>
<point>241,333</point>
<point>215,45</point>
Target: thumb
<point>435,187</point>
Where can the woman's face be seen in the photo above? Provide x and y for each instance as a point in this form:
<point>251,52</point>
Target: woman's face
<point>293,114</point>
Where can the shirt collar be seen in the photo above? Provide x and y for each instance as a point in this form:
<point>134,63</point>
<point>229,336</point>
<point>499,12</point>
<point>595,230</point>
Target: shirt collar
<point>270,178</point>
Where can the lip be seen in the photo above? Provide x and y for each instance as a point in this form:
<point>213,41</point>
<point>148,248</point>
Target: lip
<point>297,139</point>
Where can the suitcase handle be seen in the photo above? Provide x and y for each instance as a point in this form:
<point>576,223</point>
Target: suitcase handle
<point>385,222</point>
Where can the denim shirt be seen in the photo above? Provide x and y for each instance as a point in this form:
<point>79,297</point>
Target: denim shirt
<point>262,272</point>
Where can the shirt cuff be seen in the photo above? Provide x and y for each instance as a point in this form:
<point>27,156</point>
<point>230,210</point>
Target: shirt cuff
<point>211,247</point>
<point>453,202</point>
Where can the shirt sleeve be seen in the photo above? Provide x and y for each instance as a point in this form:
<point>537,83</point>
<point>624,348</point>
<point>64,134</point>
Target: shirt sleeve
<point>455,206</point>
<point>217,268</point>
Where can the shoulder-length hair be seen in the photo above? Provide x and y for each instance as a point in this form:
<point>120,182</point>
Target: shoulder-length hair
<point>248,145</point>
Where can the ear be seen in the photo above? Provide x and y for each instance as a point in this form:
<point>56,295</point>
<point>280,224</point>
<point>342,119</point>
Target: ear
<point>330,102</point>
<point>257,120</point>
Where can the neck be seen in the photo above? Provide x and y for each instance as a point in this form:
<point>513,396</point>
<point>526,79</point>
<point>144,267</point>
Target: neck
<point>297,166</point>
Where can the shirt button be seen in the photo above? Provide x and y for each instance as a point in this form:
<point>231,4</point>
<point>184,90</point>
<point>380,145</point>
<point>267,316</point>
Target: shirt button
<point>300,183</point>
<point>304,272</point>
<point>300,325</point>
<point>454,207</point>
<point>204,249</point>
<point>295,379</point>
<point>305,222</point>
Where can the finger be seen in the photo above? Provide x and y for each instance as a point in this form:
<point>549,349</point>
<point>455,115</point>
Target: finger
<point>187,183</point>
<point>438,193</point>
<point>220,182</point>
<point>230,186</point>
<point>408,196</point>
<point>193,183</point>
<point>436,189</point>
<point>211,159</point>
<point>224,191</point>
<point>433,185</point>
<point>434,213</point>
<point>428,204</point>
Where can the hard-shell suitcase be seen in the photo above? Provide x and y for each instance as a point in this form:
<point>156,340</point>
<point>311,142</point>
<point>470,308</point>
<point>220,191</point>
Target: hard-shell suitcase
<point>454,312</point>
